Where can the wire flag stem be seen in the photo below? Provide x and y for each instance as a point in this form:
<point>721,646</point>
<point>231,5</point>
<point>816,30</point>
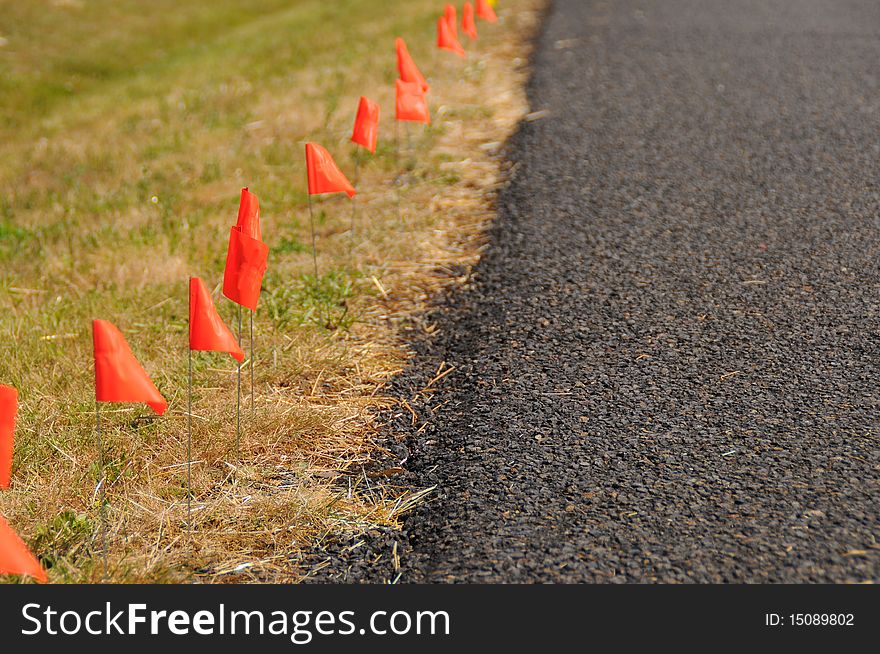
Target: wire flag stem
<point>399,181</point>
<point>252,359</point>
<point>238,397</point>
<point>103,493</point>
<point>189,427</point>
<point>189,446</point>
<point>357,168</point>
<point>314,246</point>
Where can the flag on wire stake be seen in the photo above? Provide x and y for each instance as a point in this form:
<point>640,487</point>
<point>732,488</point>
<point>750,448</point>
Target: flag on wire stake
<point>485,11</point>
<point>207,333</point>
<point>246,262</point>
<point>468,25</point>
<point>409,73</point>
<point>323,176</point>
<point>446,40</point>
<point>406,67</point>
<point>8,411</point>
<point>249,223</point>
<point>119,377</point>
<point>411,106</point>
<point>366,135</point>
<point>15,557</point>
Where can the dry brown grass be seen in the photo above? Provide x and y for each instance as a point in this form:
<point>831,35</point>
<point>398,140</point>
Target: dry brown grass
<point>325,348</point>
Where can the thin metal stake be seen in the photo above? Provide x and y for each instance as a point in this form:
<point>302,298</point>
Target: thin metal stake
<point>353,206</point>
<point>189,447</point>
<point>409,152</point>
<point>252,360</point>
<point>314,247</point>
<point>238,397</point>
<point>399,181</point>
<point>103,495</point>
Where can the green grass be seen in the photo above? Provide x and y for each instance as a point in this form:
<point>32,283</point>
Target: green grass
<point>125,141</point>
<point>127,129</point>
<point>321,302</point>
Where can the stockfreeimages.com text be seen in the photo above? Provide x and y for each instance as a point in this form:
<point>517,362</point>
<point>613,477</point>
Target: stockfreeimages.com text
<point>300,626</point>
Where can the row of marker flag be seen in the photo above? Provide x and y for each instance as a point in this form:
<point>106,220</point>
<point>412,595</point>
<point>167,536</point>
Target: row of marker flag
<point>119,377</point>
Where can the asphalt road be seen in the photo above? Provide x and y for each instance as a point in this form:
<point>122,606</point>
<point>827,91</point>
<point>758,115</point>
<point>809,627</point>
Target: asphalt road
<point>667,363</point>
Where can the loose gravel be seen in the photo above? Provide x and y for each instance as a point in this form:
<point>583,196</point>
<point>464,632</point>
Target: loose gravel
<point>666,365</point>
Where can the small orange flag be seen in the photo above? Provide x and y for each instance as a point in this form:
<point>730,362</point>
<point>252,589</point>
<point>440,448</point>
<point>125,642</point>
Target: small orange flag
<point>246,262</point>
<point>406,67</point>
<point>324,174</point>
<point>8,410</point>
<point>452,19</point>
<point>412,105</point>
<point>366,125</point>
<point>15,557</point>
<point>247,256</point>
<point>118,375</point>
<point>445,39</point>
<point>207,331</point>
<point>485,11</point>
<point>468,25</point>
<point>249,215</point>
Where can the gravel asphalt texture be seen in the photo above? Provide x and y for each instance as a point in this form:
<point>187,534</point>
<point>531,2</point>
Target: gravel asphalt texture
<point>666,363</point>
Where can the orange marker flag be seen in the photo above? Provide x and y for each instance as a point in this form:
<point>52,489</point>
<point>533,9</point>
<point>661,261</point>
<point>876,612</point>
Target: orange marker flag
<point>249,215</point>
<point>485,11</point>
<point>324,174</point>
<point>118,375</point>
<point>412,105</point>
<point>246,262</point>
<point>207,331</point>
<point>445,39</point>
<point>406,67</point>
<point>468,25</point>
<point>8,410</point>
<point>15,557</point>
<point>449,12</point>
<point>366,125</point>
<point>247,256</point>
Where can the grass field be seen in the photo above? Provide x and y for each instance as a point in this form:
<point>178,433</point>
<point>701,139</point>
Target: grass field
<point>126,132</point>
